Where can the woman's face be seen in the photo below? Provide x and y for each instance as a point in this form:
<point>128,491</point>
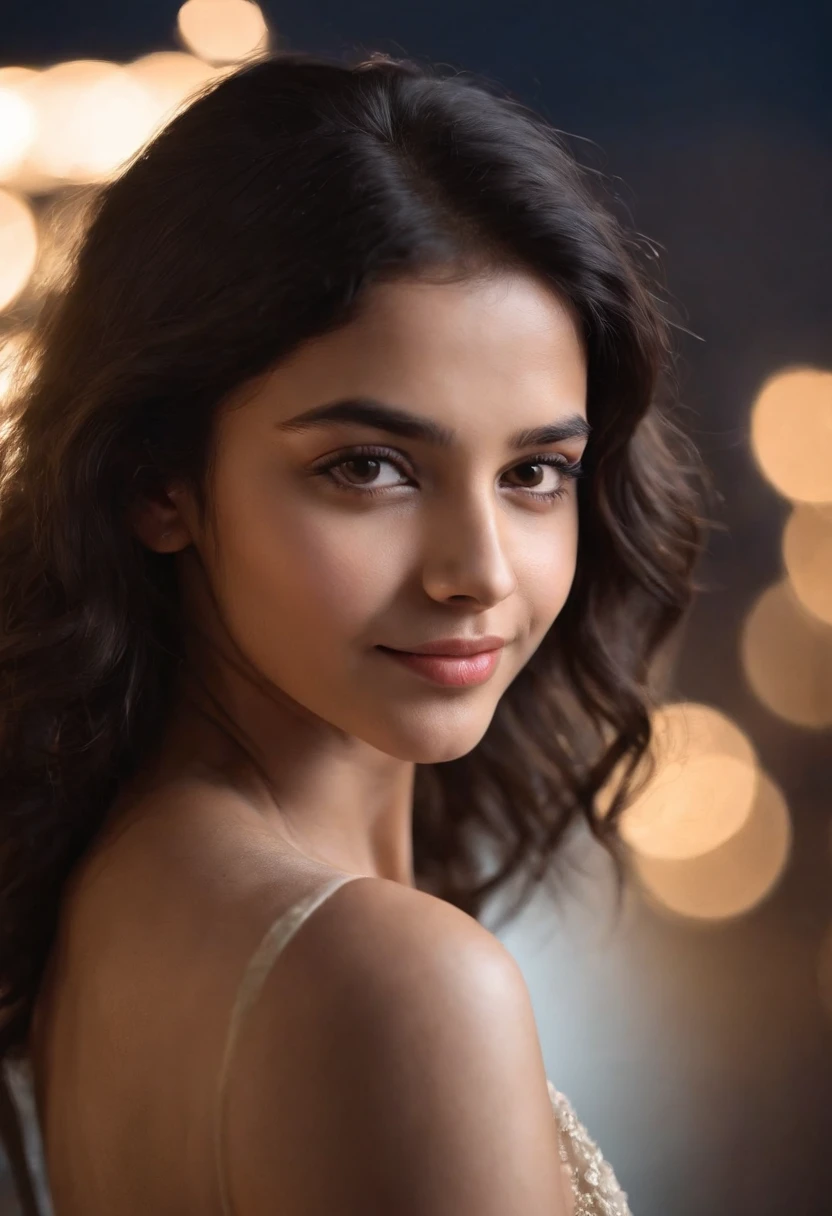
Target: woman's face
<point>311,572</point>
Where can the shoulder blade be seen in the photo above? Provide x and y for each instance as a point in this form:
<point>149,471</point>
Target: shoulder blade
<point>392,1065</point>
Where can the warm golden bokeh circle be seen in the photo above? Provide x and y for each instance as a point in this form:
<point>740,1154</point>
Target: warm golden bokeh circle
<point>791,433</point>
<point>692,728</point>
<point>222,31</point>
<point>19,171</point>
<point>702,788</point>
<point>92,116</point>
<point>18,123</point>
<point>690,807</point>
<point>807,556</point>
<point>18,126</point>
<point>18,245</point>
<point>13,77</point>
<point>787,657</point>
<point>733,878</point>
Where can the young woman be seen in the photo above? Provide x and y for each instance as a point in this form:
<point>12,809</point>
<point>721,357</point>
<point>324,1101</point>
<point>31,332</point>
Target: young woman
<point>305,655</point>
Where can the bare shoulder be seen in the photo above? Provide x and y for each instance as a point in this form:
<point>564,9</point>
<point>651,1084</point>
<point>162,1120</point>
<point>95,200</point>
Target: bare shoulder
<point>390,930</point>
<point>393,1064</point>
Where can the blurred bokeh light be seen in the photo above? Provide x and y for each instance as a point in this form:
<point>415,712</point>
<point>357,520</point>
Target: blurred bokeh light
<point>18,245</point>
<point>787,657</point>
<point>692,805</point>
<point>710,832</point>
<point>18,122</point>
<point>791,433</point>
<point>223,31</point>
<point>702,788</point>
<point>807,556</point>
<point>91,116</point>
<point>732,878</point>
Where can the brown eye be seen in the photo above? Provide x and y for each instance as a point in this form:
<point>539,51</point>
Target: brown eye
<point>358,471</point>
<point>534,469</point>
<point>363,466</point>
<point>536,476</point>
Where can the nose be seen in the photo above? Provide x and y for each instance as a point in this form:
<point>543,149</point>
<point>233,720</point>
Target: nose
<point>465,551</point>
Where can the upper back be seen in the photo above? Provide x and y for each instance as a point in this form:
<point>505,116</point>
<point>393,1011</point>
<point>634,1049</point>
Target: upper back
<point>155,932</point>
<point>384,1016</point>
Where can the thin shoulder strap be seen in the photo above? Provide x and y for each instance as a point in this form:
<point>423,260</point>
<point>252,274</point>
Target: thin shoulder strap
<point>276,937</point>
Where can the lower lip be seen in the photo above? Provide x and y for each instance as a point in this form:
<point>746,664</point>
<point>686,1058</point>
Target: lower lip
<point>444,669</point>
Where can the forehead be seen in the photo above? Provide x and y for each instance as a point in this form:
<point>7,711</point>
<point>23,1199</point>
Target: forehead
<point>497,323</point>
<point>505,346</point>
<point>511,308</point>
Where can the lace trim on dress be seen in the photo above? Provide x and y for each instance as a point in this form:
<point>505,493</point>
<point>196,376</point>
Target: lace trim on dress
<point>594,1185</point>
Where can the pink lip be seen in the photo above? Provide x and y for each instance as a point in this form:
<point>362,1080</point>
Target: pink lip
<point>453,671</point>
<point>453,647</point>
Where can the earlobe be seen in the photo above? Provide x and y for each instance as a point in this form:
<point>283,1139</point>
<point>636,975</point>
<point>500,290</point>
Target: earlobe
<point>170,541</point>
<point>159,525</point>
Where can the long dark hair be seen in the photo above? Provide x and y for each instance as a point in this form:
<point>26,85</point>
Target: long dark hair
<point>256,219</point>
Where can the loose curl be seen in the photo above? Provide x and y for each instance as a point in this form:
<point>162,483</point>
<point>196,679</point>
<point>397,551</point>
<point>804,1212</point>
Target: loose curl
<point>256,219</point>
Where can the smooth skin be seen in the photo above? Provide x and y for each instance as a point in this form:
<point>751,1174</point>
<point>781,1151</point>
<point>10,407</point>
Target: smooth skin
<point>392,1063</point>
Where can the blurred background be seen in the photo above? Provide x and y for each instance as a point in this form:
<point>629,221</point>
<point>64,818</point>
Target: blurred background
<point>692,1032</point>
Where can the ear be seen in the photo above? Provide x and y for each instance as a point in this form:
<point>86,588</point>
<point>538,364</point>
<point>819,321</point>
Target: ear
<point>161,521</point>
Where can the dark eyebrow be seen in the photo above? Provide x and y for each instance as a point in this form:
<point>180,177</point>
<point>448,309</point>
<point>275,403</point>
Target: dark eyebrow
<point>365,411</point>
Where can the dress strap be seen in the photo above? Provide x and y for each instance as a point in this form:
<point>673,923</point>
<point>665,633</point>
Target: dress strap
<point>276,937</point>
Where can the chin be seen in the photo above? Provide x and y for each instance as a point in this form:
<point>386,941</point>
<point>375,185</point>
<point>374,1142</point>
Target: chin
<point>435,744</point>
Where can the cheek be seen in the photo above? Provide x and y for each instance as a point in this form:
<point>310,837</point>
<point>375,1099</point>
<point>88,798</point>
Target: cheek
<point>295,580</point>
<point>549,569</point>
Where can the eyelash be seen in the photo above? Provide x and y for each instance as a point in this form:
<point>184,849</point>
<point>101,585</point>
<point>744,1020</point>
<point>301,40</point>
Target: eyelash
<point>570,471</point>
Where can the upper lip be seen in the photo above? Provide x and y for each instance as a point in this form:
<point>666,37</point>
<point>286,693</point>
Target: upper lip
<point>454,646</point>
